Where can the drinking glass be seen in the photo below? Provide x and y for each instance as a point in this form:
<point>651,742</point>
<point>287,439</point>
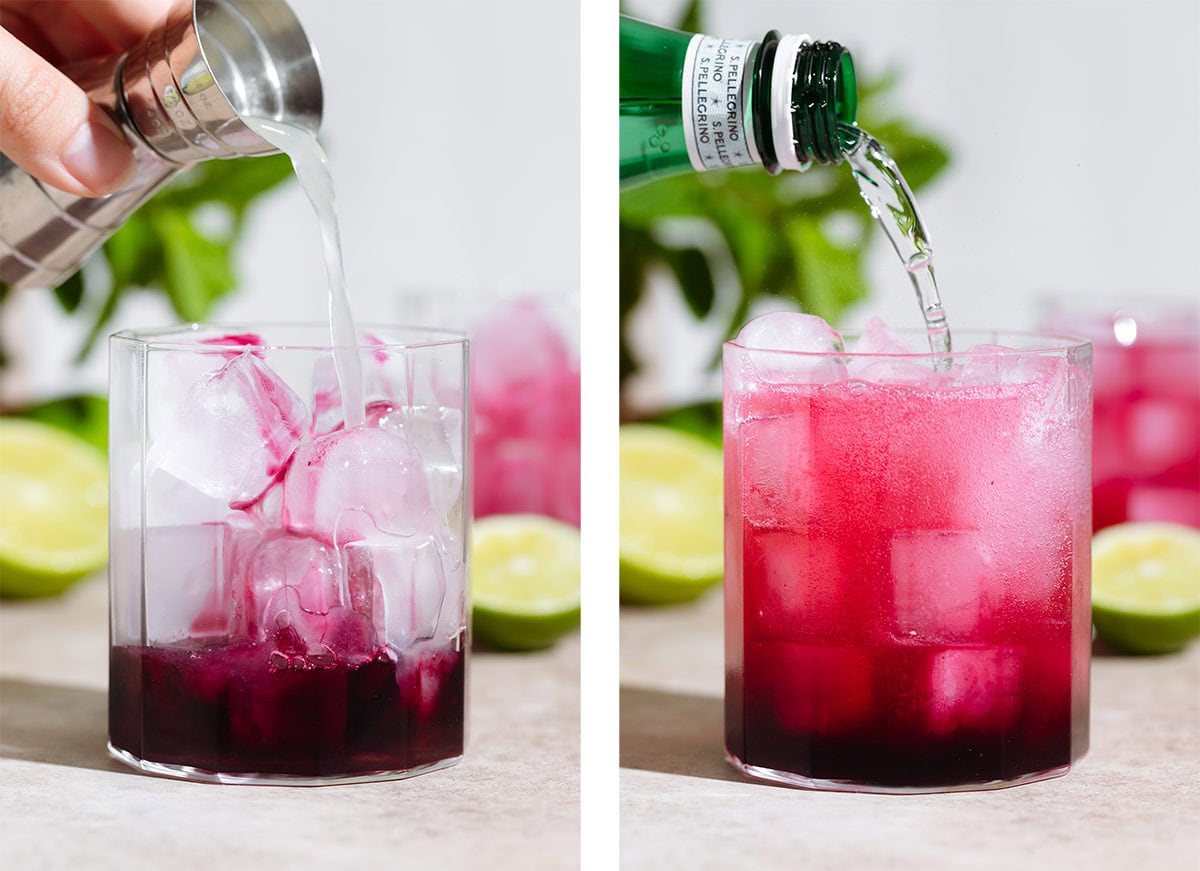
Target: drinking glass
<point>1146,428</point>
<point>524,398</point>
<point>908,563</point>
<point>288,581</point>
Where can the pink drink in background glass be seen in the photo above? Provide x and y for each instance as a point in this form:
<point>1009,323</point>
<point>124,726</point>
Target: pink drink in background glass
<point>907,563</point>
<point>288,592</point>
<point>1146,431</point>
<point>525,403</point>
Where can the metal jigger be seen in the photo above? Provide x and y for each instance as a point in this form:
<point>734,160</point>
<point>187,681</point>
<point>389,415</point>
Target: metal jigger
<point>179,97</point>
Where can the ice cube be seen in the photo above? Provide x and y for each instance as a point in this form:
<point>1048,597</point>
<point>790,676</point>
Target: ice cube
<point>988,364</point>
<point>878,338</point>
<point>776,466</point>
<point>794,585</point>
<point>891,361</point>
<point>232,434</point>
<point>390,376</point>
<point>974,689</point>
<point>220,617</point>
<point>437,436</point>
<point>945,584</point>
<point>405,581</point>
<point>350,635</point>
<point>289,581</point>
<point>170,375</point>
<point>350,484</point>
<point>296,632</point>
<point>792,348</point>
<point>170,501</point>
<point>883,370</point>
<point>327,398</point>
<point>420,677</point>
<point>999,364</point>
<point>185,581</point>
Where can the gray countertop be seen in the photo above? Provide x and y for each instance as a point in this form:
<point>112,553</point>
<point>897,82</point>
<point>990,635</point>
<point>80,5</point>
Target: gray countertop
<point>514,798</point>
<point>1132,803</point>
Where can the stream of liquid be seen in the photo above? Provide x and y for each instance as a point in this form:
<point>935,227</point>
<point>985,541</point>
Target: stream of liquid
<point>312,170</point>
<point>892,203</point>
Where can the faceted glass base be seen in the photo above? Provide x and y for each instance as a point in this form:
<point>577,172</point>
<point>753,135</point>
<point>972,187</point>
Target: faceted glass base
<point>799,780</point>
<point>200,775</point>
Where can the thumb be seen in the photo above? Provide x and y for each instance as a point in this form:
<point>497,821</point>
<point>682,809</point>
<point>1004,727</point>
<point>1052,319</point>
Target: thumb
<point>50,129</point>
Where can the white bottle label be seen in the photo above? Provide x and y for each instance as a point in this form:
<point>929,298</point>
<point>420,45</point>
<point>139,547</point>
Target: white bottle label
<point>716,92</point>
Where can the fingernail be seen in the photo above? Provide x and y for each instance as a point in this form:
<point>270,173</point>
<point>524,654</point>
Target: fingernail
<point>99,158</point>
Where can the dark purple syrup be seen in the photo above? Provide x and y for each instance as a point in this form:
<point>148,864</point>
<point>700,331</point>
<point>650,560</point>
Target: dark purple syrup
<point>244,709</point>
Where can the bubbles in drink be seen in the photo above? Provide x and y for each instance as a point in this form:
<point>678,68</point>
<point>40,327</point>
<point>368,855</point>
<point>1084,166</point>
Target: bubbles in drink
<point>229,432</point>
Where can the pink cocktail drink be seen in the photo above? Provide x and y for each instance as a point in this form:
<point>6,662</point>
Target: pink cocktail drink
<point>288,592</point>
<point>1146,432</point>
<point>907,563</point>
<point>525,402</point>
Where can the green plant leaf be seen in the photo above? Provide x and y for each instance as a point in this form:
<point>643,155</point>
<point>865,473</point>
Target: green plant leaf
<point>70,292</point>
<point>198,271</point>
<point>830,276</point>
<point>695,278</point>
<point>693,18</point>
<point>703,420</point>
<point>232,183</point>
<point>84,415</point>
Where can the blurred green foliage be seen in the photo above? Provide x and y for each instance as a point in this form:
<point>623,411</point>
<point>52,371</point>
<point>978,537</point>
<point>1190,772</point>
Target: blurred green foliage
<point>802,237</point>
<point>83,416</point>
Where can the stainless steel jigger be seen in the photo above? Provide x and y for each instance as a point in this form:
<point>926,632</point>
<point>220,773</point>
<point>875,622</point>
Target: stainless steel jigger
<point>179,97</point>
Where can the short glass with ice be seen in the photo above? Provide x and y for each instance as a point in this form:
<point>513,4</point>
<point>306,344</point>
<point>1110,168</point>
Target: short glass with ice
<point>288,576</point>
<point>524,397</point>
<point>907,557</point>
<point>1146,425</point>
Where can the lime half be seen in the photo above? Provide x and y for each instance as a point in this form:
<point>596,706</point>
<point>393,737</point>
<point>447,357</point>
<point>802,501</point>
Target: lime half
<point>53,509</point>
<point>524,581</point>
<point>1146,586</point>
<point>672,516</point>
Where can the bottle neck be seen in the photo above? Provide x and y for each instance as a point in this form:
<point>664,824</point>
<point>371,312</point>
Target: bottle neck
<point>811,100</point>
<point>777,102</point>
<point>717,98</point>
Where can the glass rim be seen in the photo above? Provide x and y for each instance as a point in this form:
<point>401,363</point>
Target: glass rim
<point>1044,343</point>
<point>1112,303</point>
<point>483,297</point>
<point>1126,321</point>
<point>168,337</point>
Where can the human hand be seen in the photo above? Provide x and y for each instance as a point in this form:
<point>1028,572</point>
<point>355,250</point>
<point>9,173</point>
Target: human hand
<point>48,126</point>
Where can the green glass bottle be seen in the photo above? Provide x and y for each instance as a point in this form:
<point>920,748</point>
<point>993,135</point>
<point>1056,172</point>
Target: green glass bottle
<point>691,102</point>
